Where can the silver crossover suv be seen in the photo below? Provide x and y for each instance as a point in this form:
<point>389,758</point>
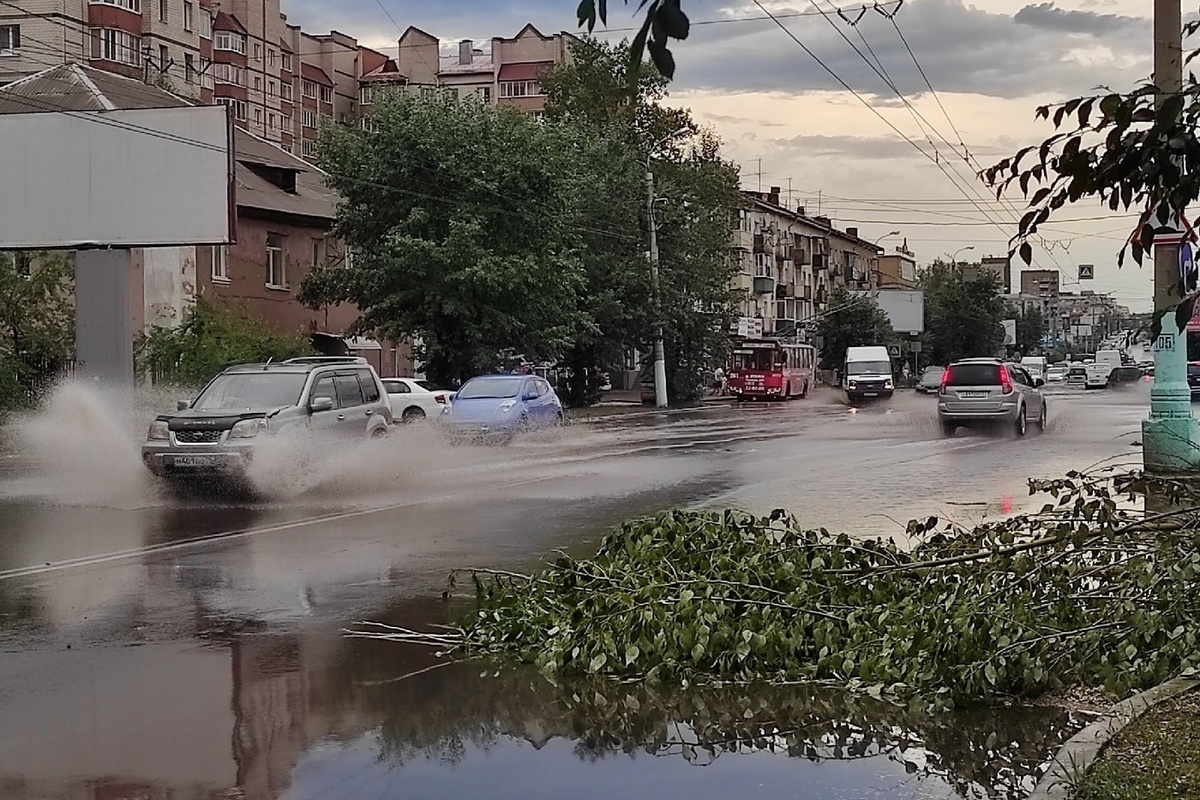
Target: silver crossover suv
<point>215,434</point>
<point>985,391</point>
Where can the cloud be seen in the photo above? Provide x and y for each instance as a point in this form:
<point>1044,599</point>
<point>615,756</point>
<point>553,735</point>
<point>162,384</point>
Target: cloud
<point>815,145</point>
<point>961,48</point>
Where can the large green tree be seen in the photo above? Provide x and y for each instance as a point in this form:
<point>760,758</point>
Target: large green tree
<point>853,320</point>
<point>698,197</point>
<point>466,224</point>
<point>1031,328</point>
<point>962,318</point>
<point>37,323</point>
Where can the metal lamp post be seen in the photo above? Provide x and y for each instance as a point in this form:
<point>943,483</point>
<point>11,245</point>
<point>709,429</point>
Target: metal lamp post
<point>954,258</point>
<point>660,358</point>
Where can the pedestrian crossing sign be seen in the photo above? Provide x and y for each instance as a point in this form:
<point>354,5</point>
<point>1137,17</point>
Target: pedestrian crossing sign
<point>1087,272</point>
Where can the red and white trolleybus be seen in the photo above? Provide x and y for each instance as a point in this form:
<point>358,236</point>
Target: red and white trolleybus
<point>770,369</point>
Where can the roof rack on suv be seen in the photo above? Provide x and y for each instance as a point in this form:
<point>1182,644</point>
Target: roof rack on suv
<point>326,360</point>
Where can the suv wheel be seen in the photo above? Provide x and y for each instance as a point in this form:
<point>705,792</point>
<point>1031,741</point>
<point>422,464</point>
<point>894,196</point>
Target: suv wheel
<point>1042,418</point>
<point>1019,427</point>
<point>412,414</point>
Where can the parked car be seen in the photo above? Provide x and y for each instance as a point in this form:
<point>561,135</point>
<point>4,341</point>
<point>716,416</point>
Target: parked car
<point>497,407</point>
<point>414,399</point>
<point>985,391</point>
<point>1077,373</point>
<point>215,434</point>
<point>930,380</point>
<point>1056,374</point>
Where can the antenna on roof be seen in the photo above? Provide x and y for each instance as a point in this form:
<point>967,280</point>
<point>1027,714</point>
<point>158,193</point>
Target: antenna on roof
<point>269,360</point>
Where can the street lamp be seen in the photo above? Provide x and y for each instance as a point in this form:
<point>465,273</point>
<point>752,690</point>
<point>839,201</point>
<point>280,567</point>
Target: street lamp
<point>954,258</point>
<point>660,358</point>
<point>886,235</point>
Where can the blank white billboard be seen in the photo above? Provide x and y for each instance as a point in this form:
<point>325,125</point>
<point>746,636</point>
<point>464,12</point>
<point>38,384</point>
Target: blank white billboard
<point>905,308</point>
<point>128,178</point>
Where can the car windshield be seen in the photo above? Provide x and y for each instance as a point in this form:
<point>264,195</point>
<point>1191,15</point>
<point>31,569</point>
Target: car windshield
<point>251,390</point>
<point>932,372</point>
<point>974,375</point>
<point>428,386</point>
<point>869,368</point>
<point>481,388</point>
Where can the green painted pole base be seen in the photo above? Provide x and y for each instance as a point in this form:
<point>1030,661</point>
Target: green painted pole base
<point>1171,445</point>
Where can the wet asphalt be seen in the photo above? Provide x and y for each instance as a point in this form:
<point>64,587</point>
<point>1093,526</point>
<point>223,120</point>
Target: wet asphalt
<point>153,646</point>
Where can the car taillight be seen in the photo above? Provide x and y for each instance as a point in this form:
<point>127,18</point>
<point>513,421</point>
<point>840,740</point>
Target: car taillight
<point>945,380</point>
<point>1005,380</point>
<point>441,398</point>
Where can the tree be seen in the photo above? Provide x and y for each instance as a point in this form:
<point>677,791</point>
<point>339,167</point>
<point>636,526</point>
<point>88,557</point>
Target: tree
<point>699,191</point>
<point>37,323</point>
<point>962,318</point>
<point>853,320</point>
<point>210,338</point>
<point>665,20</point>
<point>1031,328</point>
<point>466,225</point>
<point>1118,149</point>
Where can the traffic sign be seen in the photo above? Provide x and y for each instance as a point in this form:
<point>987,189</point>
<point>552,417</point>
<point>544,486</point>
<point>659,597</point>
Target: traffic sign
<point>894,351</point>
<point>915,347</point>
<point>1087,272</point>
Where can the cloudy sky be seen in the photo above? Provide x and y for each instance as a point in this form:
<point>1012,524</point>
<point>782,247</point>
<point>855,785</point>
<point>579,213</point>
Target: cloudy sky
<point>864,157</point>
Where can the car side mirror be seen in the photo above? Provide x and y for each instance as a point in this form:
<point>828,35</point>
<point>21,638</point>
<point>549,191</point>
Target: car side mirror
<point>530,395</point>
<point>183,405</point>
<point>1038,383</point>
<point>320,404</point>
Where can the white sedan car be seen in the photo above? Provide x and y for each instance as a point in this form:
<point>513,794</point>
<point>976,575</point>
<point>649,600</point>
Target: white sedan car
<point>414,399</point>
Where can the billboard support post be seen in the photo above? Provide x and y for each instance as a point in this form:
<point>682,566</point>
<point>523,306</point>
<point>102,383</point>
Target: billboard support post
<point>103,325</point>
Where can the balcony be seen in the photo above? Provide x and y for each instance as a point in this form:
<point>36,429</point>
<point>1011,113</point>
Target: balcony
<point>764,284</point>
<point>785,326</point>
<point>784,290</point>
<point>819,261</point>
<point>760,245</point>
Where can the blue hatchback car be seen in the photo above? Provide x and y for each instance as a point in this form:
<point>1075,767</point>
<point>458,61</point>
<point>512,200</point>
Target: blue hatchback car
<point>500,406</point>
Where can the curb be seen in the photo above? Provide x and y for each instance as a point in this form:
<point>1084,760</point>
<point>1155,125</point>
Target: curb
<point>1078,753</point>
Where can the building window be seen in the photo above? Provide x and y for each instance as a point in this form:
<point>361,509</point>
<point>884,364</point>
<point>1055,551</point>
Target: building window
<point>369,124</point>
<point>485,94</point>
<point>257,52</point>
<point>164,10</point>
<point>270,57</point>
<point>310,148</point>
<point>520,89</point>
<point>238,106</point>
<point>229,73</point>
<point>272,89</point>
<point>220,269</point>
<point>10,40</point>
<point>326,95</point>
<point>271,121</point>
<point>206,78</point>
<point>309,89</point>
<point>257,84</point>
<point>120,47</point>
<point>428,92</point>
<point>228,40</point>
<point>287,148</point>
<point>285,91</point>
<point>285,60</point>
<point>188,21</point>
<point>206,22</point>
<point>276,266</point>
<point>129,5</point>
<point>164,58</point>
<point>366,95</point>
<point>189,68</point>
<point>258,116</point>
<point>318,252</point>
<point>310,118</point>
<point>285,122</point>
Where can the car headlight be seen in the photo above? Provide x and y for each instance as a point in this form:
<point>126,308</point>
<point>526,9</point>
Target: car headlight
<point>159,431</point>
<point>887,385</point>
<point>507,405</point>
<point>852,385</point>
<point>248,428</point>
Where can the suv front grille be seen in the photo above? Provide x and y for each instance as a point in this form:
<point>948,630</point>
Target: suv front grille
<point>197,437</point>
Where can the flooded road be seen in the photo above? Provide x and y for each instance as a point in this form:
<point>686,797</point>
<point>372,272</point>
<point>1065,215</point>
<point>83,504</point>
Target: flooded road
<point>153,647</point>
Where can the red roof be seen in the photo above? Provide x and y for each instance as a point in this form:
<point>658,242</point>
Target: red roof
<point>315,74</point>
<point>227,22</point>
<point>524,71</point>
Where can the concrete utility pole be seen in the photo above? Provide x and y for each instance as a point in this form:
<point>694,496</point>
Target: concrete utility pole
<point>1170,436</point>
<point>660,357</point>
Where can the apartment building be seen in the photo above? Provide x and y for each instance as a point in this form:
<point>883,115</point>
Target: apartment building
<point>998,267</point>
<point>790,263</point>
<point>897,270</point>
<point>164,42</point>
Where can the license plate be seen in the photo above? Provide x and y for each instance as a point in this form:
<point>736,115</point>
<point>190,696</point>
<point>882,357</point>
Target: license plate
<point>870,394</point>
<point>972,395</point>
<point>196,461</point>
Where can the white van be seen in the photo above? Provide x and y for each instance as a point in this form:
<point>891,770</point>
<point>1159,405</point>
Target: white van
<point>1035,366</point>
<point>867,373</point>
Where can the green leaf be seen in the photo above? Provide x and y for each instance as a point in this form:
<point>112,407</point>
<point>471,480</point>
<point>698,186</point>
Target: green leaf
<point>631,654</point>
<point>989,672</point>
<point>674,22</point>
<point>1184,312</point>
<point>1026,252</point>
<point>597,663</point>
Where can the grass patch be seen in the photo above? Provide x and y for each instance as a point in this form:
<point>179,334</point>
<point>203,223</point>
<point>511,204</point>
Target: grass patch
<point>1158,756</point>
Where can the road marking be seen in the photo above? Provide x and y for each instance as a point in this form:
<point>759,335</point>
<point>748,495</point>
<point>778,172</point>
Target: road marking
<point>225,536</point>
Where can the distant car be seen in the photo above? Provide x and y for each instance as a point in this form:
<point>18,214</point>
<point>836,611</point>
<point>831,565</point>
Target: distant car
<point>1194,379</point>
<point>498,407</point>
<point>1077,373</point>
<point>414,399</point>
<point>985,391</point>
<point>930,380</point>
<point>215,434</point>
<point>1056,374</point>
